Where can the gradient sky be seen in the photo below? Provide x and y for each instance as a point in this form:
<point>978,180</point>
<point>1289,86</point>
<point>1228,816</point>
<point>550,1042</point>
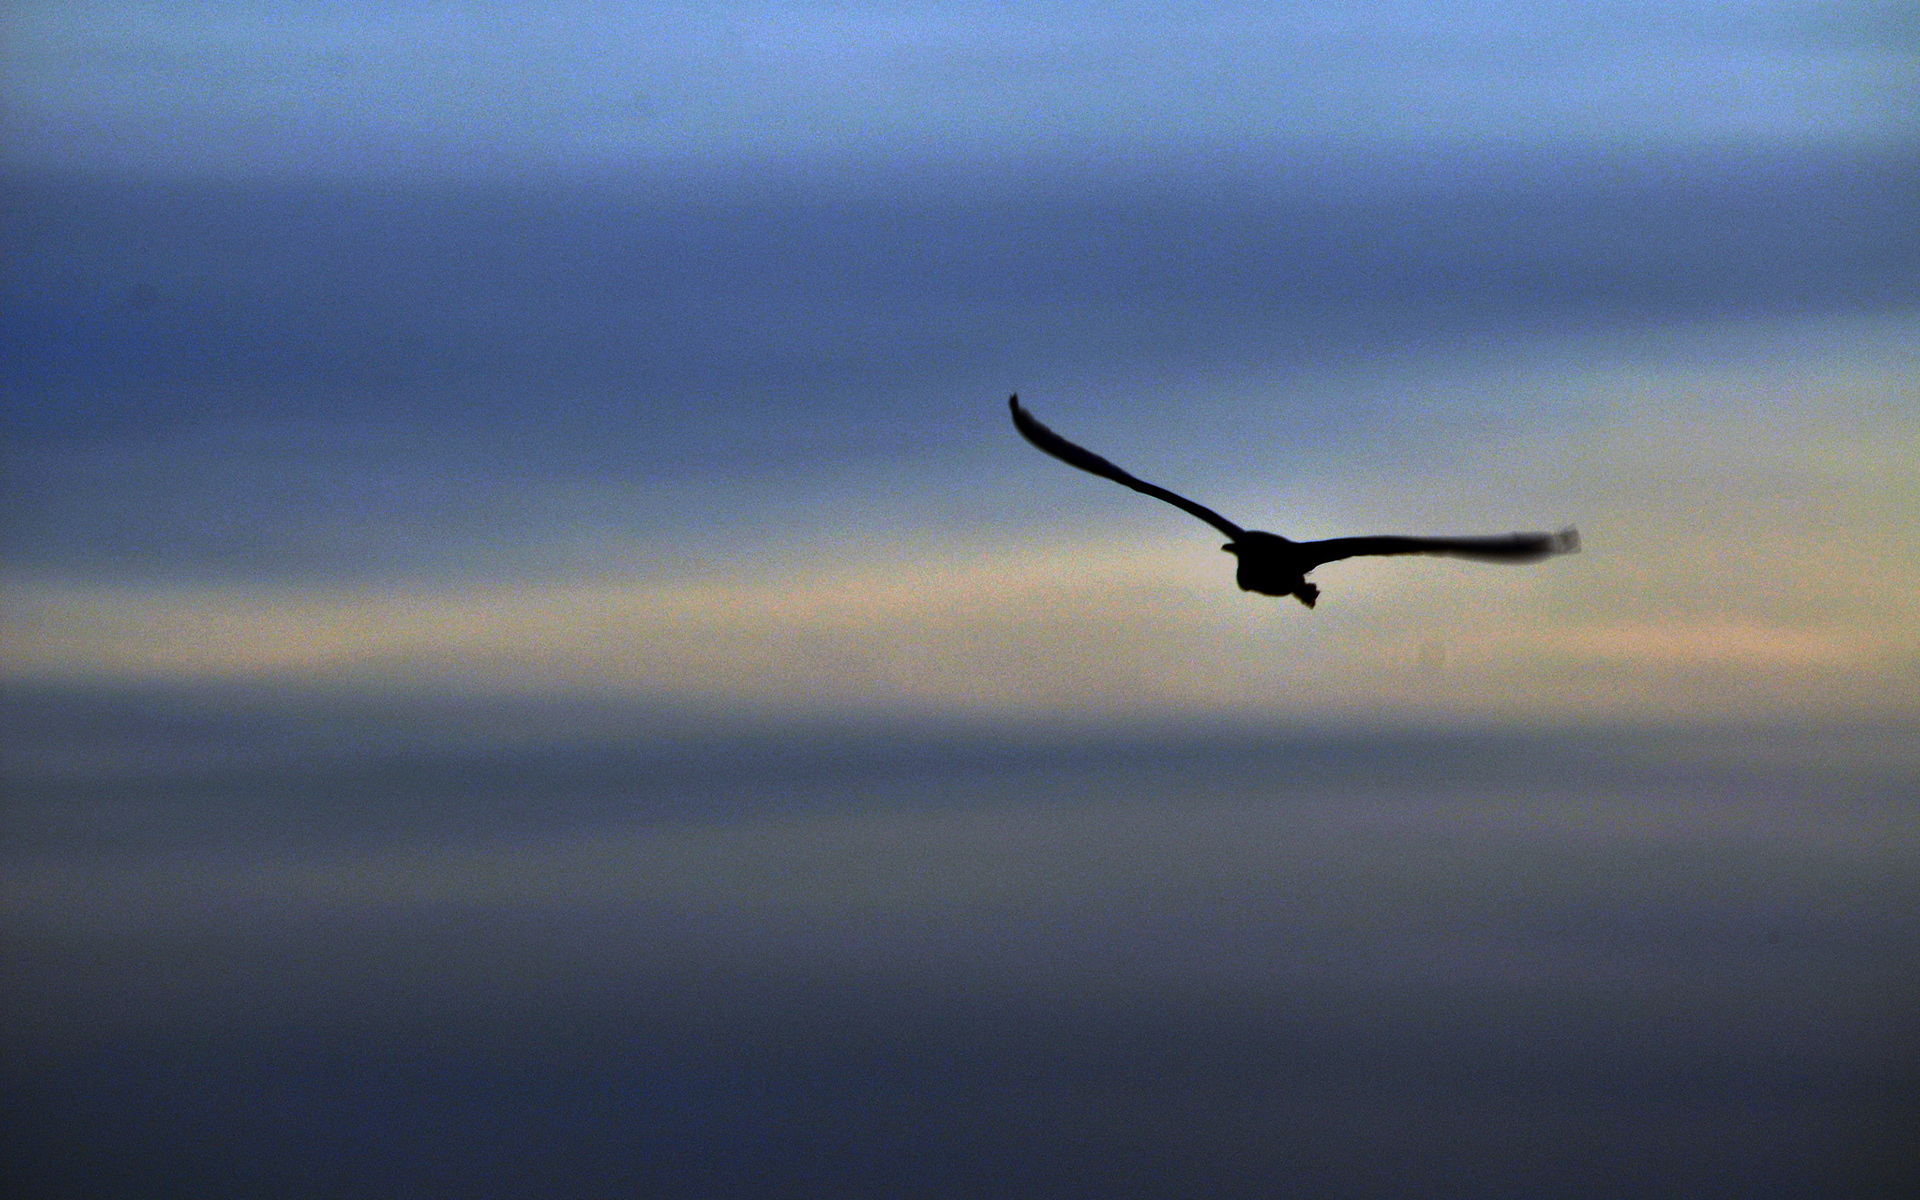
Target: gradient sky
<point>662,351</point>
<point>449,447</point>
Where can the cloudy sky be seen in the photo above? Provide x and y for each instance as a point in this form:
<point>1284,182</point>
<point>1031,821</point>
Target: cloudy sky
<point>660,350</point>
<point>548,464</point>
<point>452,339</point>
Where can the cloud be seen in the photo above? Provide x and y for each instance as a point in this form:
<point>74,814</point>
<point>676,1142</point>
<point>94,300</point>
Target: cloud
<point>1114,630</point>
<point>1133,960</point>
<point>1119,881</point>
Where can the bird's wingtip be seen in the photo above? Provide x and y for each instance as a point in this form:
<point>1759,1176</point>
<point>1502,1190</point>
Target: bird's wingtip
<point>1567,541</point>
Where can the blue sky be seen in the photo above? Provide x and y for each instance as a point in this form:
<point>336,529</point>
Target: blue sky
<point>513,523</point>
<point>243,89</point>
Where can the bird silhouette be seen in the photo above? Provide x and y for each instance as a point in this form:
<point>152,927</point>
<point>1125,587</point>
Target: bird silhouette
<point>1275,566</point>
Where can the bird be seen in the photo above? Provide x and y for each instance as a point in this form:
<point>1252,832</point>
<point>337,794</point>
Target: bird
<point>1271,565</point>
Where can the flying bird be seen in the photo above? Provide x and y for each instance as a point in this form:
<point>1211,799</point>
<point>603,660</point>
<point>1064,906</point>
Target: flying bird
<point>1275,566</point>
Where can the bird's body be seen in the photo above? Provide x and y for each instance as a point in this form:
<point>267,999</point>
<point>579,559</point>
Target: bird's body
<point>1275,566</point>
<point>1272,566</point>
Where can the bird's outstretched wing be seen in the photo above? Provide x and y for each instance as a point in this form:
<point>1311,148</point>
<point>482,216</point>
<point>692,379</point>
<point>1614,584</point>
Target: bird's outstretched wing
<point>1507,548</point>
<point>1064,450</point>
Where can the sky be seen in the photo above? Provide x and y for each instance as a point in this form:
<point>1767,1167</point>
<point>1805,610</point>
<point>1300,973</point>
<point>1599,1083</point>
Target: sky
<point>430,341</point>
<point>512,519</point>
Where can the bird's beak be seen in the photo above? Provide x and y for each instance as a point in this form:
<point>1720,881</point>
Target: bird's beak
<point>1231,548</point>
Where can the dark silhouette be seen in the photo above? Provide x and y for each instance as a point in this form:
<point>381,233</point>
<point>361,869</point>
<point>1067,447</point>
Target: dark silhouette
<point>1274,566</point>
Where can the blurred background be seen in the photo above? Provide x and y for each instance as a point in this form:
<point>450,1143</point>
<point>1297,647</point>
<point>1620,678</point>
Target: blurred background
<point>534,662</point>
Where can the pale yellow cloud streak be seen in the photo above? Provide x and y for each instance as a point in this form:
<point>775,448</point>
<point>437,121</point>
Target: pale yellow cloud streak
<point>1111,630</point>
<point>991,629</point>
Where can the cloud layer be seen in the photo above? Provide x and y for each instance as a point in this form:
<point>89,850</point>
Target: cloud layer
<point>1743,558</point>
